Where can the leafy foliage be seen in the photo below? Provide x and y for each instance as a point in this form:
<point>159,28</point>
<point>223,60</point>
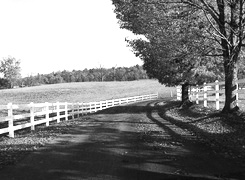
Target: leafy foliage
<point>175,48</point>
<point>10,67</point>
<point>186,38</point>
<point>87,75</point>
<point>4,83</point>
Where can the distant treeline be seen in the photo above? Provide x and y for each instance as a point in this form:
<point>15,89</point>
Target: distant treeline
<point>86,75</point>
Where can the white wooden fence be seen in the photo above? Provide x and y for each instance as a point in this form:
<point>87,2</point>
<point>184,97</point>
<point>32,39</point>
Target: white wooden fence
<point>212,92</point>
<point>44,113</point>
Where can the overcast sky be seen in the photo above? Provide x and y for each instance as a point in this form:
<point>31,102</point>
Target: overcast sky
<point>52,35</point>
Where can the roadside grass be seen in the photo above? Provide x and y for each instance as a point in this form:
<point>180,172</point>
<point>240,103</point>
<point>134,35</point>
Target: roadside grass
<point>83,92</point>
<point>80,92</point>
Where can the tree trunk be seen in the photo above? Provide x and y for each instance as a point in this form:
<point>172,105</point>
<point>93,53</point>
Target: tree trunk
<point>231,46</point>
<point>185,93</point>
<point>185,103</point>
<point>231,70</point>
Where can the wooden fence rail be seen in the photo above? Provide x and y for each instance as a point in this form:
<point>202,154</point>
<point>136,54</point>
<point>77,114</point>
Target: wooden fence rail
<point>212,92</point>
<point>44,113</point>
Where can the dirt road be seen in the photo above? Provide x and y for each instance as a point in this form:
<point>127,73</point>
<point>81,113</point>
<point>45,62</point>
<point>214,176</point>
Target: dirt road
<point>129,142</point>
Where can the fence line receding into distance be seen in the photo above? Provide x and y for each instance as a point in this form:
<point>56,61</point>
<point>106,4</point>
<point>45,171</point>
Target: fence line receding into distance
<point>30,115</point>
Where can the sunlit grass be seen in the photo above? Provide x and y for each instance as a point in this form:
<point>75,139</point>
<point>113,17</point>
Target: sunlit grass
<point>83,92</point>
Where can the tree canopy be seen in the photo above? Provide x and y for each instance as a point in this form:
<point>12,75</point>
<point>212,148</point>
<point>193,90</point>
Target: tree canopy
<point>10,67</point>
<point>176,49</point>
<point>187,40</point>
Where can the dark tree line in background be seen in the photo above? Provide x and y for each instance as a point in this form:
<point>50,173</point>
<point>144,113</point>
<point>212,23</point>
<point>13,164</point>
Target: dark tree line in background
<point>11,77</point>
<point>86,75</point>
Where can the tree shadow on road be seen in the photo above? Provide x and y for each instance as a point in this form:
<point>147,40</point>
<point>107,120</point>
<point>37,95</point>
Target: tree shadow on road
<point>141,107</point>
<point>192,132</point>
<point>126,142</point>
<point>98,148</point>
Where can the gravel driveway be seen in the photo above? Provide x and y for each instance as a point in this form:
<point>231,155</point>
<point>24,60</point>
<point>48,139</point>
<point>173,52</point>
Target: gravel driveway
<point>128,142</point>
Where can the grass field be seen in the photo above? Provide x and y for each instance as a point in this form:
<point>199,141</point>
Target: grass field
<point>83,92</point>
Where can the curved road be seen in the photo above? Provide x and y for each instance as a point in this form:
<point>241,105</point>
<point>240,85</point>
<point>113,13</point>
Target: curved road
<point>128,142</point>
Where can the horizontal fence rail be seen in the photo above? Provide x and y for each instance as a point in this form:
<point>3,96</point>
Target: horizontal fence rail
<point>212,92</point>
<point>30,115</point>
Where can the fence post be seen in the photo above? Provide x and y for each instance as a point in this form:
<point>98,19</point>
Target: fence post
<point>58,111</point>
<point>101,106</point>
<point>197,95</point>
<point>193,93</point>
<point>32,116</point>
<point>178,92</point>
<point>10,120</point>
<point>217,94</point>
<point>78,109</point>
<point>190,93</point>
<point>205,98</point>
<point>66,111</point>
<point>90,109</point>
<point>237,93</point>
<point>82,104</point>
<point>47,113</point>
<point>73,111</point>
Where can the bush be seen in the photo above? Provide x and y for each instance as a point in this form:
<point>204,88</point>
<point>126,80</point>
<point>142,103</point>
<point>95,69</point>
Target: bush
<point>4,83</point>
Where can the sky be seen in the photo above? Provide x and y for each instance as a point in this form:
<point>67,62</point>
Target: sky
<point>55,35</point>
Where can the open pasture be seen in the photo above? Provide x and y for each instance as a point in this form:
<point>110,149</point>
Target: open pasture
<point>91,97</point>
<point>83,92</point>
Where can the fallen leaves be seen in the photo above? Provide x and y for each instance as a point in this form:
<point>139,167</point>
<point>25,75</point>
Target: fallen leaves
<point>13,149</point>
<point>223,133</point>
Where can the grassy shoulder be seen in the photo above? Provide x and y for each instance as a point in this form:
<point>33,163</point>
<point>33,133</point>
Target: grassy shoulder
<point>13,150</point>
<point>224,133</point>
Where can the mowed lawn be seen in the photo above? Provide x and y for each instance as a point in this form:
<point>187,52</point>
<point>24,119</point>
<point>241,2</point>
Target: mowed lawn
<point>83,92</point>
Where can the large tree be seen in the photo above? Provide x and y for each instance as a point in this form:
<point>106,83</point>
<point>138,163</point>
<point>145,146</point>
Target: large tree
<point>10,67</point>
<point>201,30</point>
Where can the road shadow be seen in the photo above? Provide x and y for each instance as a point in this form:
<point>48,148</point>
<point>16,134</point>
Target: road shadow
<point>97,149</point>
<point>229,137</point>
<point>141,107</point>
<point>193,134</point>
<point>133,142</point>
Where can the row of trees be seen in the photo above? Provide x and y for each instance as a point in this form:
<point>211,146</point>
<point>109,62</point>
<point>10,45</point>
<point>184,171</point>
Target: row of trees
<point>188,40</point>
<point>96,74</point>
<point>10,69</point>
